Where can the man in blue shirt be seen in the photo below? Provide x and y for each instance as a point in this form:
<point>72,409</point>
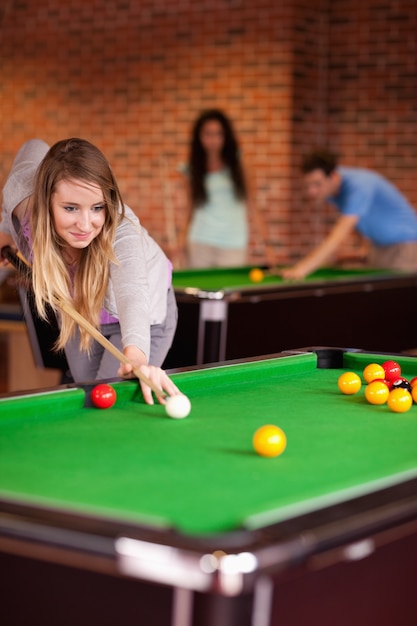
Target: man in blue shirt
<point>367,202</point>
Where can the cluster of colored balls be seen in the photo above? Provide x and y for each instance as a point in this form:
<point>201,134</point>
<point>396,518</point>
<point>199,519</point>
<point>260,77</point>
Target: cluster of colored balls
<point>384,385</point>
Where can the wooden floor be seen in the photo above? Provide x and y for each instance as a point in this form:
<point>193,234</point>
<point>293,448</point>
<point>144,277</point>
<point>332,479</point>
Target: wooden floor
<point>18,371</point>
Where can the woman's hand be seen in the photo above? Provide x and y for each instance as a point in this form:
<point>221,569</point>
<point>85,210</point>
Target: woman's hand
<point>159,378</point>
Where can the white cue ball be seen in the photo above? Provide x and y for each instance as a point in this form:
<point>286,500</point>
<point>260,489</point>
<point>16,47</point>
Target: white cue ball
<point>178,406</point>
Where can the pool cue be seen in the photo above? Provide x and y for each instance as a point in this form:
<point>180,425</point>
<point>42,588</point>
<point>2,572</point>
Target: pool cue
<point>272,271</point>
<point>16,259</point>
<point>107,345</point>
<point>268,271</point>
<point>22,258</point>
<point>23,267</point>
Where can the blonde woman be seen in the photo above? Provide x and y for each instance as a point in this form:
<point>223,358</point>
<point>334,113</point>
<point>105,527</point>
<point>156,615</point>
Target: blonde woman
<point>63,209</point>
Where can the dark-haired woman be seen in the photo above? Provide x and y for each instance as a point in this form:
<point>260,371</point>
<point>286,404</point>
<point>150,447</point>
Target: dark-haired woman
<point>216,230</point>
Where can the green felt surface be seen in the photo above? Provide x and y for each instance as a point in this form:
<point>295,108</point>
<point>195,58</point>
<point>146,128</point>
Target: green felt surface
<point>237,278</point>
<point>200,474</point>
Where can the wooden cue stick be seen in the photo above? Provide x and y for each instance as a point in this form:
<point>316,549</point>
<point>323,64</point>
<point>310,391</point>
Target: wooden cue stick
<point>272,271</point>
<point>22,258</point>
<point>8,253</point>
<point>269,271</point>
<point>107,345</point>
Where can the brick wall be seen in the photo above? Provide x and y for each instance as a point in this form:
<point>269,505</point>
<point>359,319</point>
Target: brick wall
<point>372,87</point>
<point>132,76</point>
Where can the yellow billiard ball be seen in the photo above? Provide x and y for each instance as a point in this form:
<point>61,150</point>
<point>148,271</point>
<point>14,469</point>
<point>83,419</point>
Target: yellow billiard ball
<point>256,275</point>
<point>400,400</point>
<point>376,392</point>
<point>349,383</point>
<point>372,371</point>
<point>269,441</point>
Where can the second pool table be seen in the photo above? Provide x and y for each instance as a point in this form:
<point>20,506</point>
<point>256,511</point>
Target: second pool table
<point>223,315</point>
<point>127,516</point>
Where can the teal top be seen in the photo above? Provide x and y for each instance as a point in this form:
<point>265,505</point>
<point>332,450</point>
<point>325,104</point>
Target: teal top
<point>222,220</point>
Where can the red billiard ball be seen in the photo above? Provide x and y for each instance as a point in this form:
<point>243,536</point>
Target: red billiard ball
<point>386,382</point>
<point>392,370</point>
<point>103,396</point>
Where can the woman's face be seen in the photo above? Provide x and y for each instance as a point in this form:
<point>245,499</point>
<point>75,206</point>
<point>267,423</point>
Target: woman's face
<point>212,137</point>
<point>79,211</point>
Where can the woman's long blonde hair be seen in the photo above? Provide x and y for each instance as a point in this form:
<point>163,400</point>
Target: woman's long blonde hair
<point>72,159</point>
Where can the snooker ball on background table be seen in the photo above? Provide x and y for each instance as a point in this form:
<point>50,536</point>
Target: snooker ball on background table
<point>269,441</point>
<point>103,396</point>
<point>256,275</point>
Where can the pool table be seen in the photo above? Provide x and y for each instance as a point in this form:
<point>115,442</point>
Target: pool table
<point>126,516</point>
<point>223,315</point>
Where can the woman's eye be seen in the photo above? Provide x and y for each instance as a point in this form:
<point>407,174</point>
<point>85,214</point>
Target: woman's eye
<point>99,207</point>
<point>70,208</point>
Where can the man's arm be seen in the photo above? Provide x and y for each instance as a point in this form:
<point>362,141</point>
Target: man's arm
<point>318,257</point>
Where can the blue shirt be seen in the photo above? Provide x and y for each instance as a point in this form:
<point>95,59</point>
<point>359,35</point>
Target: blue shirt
<point>385,215</point>
<point>222,220</point>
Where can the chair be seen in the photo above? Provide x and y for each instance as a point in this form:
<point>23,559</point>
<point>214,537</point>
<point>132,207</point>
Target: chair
<point>43,335</point>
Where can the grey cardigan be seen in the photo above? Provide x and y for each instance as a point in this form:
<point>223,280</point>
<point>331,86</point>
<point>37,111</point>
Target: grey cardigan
<point>138,286</point>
